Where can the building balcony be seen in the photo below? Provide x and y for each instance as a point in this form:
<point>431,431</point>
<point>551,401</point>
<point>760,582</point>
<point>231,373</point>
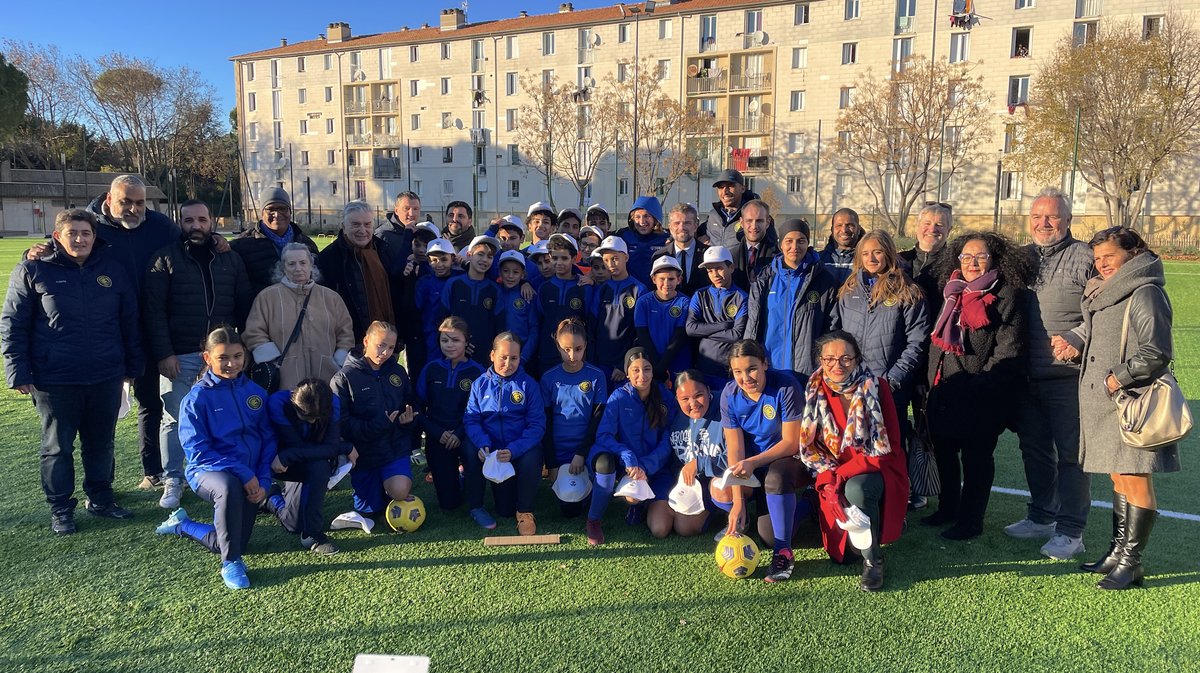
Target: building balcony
<point>706,85</point>
<point>755,124</point>
<point>751,82</point>
<point>587,56</point>
<point>387,172</point>
<point>359,171</point>
<point>708,43</point>
<point>753,40</point>
<point>385,105</point>
<point>906,25</point>
<point>357,107</point>
<point>373,140</point>
<point>748,160</point>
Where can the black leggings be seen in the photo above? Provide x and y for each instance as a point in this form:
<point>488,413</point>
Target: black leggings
<point>970,500</point>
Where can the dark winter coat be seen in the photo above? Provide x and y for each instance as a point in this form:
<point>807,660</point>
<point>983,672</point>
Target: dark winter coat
<point>133,248</point>
<point>342,272</point>
<point>366,396</point>
<point>260,255</point>
<point>181,304</point>
<point>721,227</point>
<point>1054,306</point>
<point>811,299</point>
<point>839,263</point>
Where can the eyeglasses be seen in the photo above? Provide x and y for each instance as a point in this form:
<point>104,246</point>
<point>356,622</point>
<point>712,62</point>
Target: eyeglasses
<point>943,204</point>
<point>845,360</point>
<point>981,257</point>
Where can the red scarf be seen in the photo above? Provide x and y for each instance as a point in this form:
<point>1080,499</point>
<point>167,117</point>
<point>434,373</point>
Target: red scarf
<point>965,308</point>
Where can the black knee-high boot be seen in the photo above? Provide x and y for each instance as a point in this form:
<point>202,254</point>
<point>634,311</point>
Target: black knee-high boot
<point>1109,560</point>
<point>1128,571</point>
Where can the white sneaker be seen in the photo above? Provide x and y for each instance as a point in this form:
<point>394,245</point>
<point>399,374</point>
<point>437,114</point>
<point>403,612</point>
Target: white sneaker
<point>1063,547</point>
<point>352,520</point>
<point>340,472</point>
<point>172,492</point>
<point>1026,529</point>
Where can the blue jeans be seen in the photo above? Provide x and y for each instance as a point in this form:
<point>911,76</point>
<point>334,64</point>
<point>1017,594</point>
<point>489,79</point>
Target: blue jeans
<point>89,411</point>
<point>172,392</point>
<point>1048,427</point>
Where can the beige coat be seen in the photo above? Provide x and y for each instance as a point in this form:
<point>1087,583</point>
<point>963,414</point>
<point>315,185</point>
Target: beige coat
<point>325,338</point>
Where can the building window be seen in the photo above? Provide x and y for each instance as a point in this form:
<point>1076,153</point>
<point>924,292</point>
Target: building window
<point>333,187</point>
<point>447,155</point>
<point>1151,27</point>
<point>447,120</point>
<point>960,47</point>
<point>445,86</point>
<point>547,44</point>
<point>328,94</point>
<point>510,119</point>
<point>1010,185</point>
<point>799,57</point>
<point>1018,90</point>
<point>331,157</point>
<point>845,97</point>
<point>416,122</point>
<point>664,29</point>
<point>849,53</point>
<point>1084,32</point>
<point>547,78</point>
<point>514,155</point>
<point>623,32</point>
<point>1013,133</point>
<point>793,185</point>
<point>623,187</point>
<point>510,84</point>
<point>414,53</point>
<point>797,101</point>
<point>252,102</point>
<point>414,88</point>
<point>415,153</point>
<point>901,52</point>
<point>254,161</point>
<point>803,13</point>
<point>249,72</point>
<point>1024,4</point>
<point>708,32</point>
<point>511,48</point>
<point>841,184</point>
<point>355,63</point>
<point>276,105</point>
<point>622,72</point>
<point>794,142</point>
<point>843,140</point>
<point>445,51</point>
<point>360,190</point>
<point>299,64</point>
<point>328,62</point>
<point>852,9</point>
<point>303,126</point>
<point>1088,8</point>
<point>302,96</point>
<point>329,126</point>
<point>303,157</point>
<point>514,189</point>
<point>1021,38</point>
<point>252,131</point>
<point>663,70</point>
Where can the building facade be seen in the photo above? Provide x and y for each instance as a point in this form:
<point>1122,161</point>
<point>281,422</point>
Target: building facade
<point>433,109</point>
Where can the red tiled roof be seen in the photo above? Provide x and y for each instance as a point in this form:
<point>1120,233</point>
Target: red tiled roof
<point>533,22</point>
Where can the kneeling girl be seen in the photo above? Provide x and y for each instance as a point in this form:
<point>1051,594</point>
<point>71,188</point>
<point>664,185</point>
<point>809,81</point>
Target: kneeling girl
<point>699,444</point>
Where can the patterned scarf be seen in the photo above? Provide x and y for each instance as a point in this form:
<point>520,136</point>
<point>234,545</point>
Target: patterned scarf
<point>965,307</point>
<point>822,443</point>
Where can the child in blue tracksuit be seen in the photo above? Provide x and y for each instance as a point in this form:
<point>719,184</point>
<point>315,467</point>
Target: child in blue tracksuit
<point>559,298</point>
<point>230,450</point>
<point>698,442</point>
<point>308,428</point>
<point>574,393</point>
<point>717,318</point>
<point>475,296</point>
<point>516,314</point>
<point>644,236</point>
<point>660,318</point>
<point>443,387</point>
<point>633,439</point>
<point>505,416</point>
<point>378,400</point>
<point>611,310</point>
<point>440,254</point>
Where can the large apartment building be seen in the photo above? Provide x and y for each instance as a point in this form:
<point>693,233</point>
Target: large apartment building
<point>433,108</point>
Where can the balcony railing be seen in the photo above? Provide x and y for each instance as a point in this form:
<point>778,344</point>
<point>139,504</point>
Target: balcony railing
<point>373,140</point>
<point>750,161</point>
<point>385,105</point>
<point>701,85</point>
<point>752,41</point>
<point>708,43</point>
<point>359,171</point>
<point>587,56</point>
<point>387,172</point>
<point>906,24</point>
<point>750,124</point>
<point>750,82</point>
<point>357,107</point>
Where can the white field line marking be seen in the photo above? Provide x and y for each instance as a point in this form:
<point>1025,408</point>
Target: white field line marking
<point>1102,505</point>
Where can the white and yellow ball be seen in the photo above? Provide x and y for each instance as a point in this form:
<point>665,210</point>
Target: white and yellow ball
<point>737,556</point>
<point>406,515</point>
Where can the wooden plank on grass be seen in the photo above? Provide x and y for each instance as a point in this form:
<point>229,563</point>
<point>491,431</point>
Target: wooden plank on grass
<point>510,540</point>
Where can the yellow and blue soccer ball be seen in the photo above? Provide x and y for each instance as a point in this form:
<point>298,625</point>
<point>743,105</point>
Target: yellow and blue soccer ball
<point>737,556</point>
<point>406,515</point>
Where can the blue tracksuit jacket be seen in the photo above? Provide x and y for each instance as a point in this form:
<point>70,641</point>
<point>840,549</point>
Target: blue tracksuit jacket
<point>505,413</point>
<point>367,395</point>
<point>224,426</point>
<point>626,433</point>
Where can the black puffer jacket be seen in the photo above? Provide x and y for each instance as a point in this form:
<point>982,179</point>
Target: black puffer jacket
<point>133,248</point>
<point>977,390</point>
<point>180,305</point>
<point>260,255</point>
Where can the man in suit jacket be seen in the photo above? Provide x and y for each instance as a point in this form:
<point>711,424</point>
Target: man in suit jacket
<point>755,245</point>
<point>682,222</point>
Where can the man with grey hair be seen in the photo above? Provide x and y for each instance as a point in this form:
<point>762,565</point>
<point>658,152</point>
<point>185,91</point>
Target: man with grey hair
<point>1048,411</point>
<point>359,266</point>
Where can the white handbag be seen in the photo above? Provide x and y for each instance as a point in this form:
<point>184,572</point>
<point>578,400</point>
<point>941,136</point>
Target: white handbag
<point>1154,415</point>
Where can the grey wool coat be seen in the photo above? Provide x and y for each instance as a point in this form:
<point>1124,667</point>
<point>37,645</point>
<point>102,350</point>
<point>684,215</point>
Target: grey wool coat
<point>1148,353</point>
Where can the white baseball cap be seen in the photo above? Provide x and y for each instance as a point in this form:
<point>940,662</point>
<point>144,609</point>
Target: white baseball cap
<point>513,221</point>
<point>717,254</point>
<point>858,526</point>
<point>687,500</point>
<point>727,479</point>
<point>496,471</point>
<point>638,489</point>
<point>439,245</point>
<point>589,229</point>
<point>572,487</point>
<point>427,228</point>
<point>612,244</point>
<point>483,239</point>
<point>540,207</point>
<point>511,256</point>
<point>570,211</point>
<point>568,239</point>
<point>538,248</point>
<point>664,263</point>
<point>598,208</point>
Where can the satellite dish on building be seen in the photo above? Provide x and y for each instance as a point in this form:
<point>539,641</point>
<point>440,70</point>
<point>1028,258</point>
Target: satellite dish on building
<point>759,37</point>
<point>754,105</point>
<point>693,70</point>
<point>595,39</point>
<point>458,124</point>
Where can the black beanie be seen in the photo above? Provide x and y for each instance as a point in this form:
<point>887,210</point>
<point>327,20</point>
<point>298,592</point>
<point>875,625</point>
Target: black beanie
<point>794,224</point>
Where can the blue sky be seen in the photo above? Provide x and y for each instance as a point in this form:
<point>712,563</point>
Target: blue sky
<point>176,33</point>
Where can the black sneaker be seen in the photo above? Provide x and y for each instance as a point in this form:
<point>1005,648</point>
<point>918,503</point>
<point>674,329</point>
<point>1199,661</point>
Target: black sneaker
<point>62,523</point>
<point>319,545</point>
<point>782,564</point>
<point>110,511</point>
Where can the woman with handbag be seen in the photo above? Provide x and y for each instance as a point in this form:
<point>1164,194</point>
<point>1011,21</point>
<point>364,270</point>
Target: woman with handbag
<point>1127,327</point>
<point>297,328</point>
<point>975,372</point>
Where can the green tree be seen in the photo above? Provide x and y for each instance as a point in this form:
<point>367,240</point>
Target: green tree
<point>14,97</point>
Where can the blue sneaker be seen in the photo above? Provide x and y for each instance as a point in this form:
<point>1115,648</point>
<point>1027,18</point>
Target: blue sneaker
<point>234,575</point>
<point>276,503</point>
<point>171,525</point>
<point>484,519</point>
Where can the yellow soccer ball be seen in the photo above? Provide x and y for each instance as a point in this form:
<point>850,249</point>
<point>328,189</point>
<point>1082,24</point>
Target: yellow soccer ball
<point>737,556</point>
<point>406,515</point>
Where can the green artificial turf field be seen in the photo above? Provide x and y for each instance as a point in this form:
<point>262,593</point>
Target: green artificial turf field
<point>116,597</point>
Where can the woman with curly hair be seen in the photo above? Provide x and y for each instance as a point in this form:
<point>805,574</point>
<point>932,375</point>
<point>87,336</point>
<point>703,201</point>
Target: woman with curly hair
<point>975,371</point>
